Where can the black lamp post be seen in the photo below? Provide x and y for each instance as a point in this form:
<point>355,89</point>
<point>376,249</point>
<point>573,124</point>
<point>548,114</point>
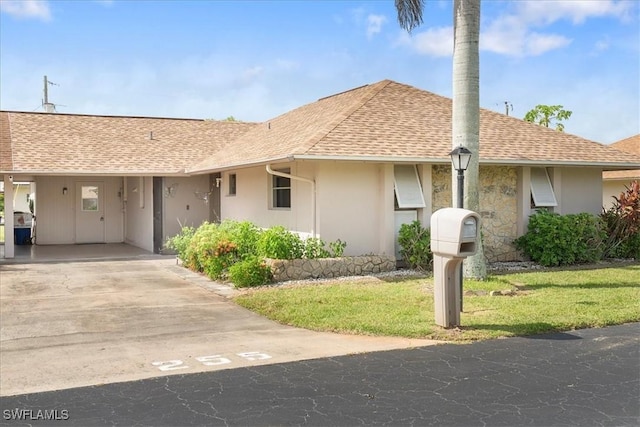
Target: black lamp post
<point>460,157</point>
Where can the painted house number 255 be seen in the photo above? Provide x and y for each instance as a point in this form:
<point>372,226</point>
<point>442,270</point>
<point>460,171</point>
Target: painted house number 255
<point>213,360</point>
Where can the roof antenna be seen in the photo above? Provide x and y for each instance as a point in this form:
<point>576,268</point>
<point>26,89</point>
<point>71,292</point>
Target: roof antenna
<point>508,107</point>
<point>49,107</point>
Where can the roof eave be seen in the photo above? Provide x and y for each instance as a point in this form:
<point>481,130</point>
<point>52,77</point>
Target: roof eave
<point>581,163</point>
<point>36,172</point>
<point>231,166</point>
<point>423,160</point>
<point>440,160</point>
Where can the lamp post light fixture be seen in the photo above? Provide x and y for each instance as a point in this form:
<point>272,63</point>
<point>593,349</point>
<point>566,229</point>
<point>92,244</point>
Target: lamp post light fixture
<point>460,158</point>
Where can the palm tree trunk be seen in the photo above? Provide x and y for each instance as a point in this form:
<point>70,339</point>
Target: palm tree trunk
<point>466,112</point>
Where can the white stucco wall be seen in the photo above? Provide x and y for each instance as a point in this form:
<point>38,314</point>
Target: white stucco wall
<point>56,212</point>
<point>355,204</point>
<point>252,198</point>
<point>181,207</point>
<point>139,212</point>
<point>578,189</point>
<point>114,210</point>
<point>349,201</point>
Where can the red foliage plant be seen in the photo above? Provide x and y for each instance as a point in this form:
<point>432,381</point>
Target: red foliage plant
<point>627,205</point>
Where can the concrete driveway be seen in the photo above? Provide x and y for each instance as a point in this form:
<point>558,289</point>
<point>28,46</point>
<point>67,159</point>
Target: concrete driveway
<point>71,324</point>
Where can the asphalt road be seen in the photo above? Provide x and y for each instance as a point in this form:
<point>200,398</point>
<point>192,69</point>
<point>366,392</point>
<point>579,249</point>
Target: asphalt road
<point>581,378</point>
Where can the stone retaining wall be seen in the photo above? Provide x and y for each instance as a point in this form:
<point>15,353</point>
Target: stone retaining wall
<point>301,269</point>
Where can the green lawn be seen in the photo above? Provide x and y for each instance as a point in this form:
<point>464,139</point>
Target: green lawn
<point>542,302</point>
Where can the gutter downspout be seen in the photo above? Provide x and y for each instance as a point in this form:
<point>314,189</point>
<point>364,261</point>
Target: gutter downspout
<point>125,217</point>
<point>313,193</point>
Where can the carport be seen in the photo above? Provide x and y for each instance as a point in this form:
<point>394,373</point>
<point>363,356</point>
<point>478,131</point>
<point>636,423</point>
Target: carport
<point>111,179</point>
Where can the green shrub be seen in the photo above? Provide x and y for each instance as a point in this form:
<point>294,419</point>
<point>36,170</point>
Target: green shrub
<point>314,248</point>
<point>633,246</point>
<point>251,271</point>
<point>244,235</point>
<point>337,248</point>
<point>180,242</point>
<point>415,245</point>
<point>211,251</point>
<point>554,239</point>
<point>279,243</point>
<point>192,254</point>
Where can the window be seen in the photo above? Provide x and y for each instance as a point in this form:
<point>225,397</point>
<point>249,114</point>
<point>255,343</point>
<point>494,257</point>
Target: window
<point>541,189</point>
<point>281,191</point>
<point>89,198</point>
<point>407,187</point>
<point>232,184</point>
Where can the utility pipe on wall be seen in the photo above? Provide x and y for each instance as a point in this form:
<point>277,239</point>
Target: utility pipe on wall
<point>313,193</point>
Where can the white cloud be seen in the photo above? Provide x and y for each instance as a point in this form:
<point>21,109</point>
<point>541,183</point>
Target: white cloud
<point>433,42</point>
<point>537,44</point>
<point>508,35</point>
<point>505,35</point>
<point>26,9</point>
<point>374,24</point>
<point>513,34</point>
<point>577,11</point>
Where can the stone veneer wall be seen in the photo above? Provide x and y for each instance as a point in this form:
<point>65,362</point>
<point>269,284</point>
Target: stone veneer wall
<point>301,269</point>
<point>498,207</point>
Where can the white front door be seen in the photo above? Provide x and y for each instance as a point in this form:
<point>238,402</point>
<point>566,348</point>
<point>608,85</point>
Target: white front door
<point>90,212</point>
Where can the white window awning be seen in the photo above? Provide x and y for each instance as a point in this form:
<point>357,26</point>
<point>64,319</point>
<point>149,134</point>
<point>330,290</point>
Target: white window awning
<point>407,187</point>
<point>541,188</point>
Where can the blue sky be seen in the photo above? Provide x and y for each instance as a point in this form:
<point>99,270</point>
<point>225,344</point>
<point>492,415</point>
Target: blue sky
<point>255,60</point>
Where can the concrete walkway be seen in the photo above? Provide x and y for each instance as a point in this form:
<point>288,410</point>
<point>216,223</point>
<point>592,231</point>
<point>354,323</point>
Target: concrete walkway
<point>70,324</point>
<point>73,253</point>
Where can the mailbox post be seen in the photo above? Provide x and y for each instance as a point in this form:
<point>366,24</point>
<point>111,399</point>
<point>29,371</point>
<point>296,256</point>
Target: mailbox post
<point>455,234</point>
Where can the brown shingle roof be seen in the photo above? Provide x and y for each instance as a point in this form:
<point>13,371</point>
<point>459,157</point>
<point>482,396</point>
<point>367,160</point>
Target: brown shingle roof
<point>6,157</point>
<point>383,121</point>
<point>393,121</point>
<point>628,145</point>
<point>77,144</point>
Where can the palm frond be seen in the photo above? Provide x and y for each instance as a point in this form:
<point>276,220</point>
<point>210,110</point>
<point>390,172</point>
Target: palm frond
<point>409,13</point>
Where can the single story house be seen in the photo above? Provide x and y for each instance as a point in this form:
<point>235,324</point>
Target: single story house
<point>614,182</point>
<point>351,166</point>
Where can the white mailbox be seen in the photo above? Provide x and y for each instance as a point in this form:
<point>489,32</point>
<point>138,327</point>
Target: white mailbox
<point>455,235</point>
<point>455,232</point>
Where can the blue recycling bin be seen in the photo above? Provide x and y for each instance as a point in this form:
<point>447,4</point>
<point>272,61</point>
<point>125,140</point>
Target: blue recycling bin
<point>22,235</point>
